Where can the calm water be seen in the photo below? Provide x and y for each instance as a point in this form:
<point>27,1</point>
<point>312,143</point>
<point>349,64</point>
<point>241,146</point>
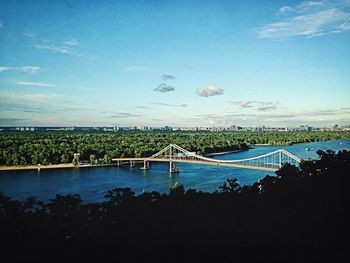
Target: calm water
<point>93,183</point>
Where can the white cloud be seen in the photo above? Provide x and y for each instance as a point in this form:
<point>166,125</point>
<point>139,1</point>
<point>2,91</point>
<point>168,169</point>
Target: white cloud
<point>286,9</point>
<point>72,42</point>
<point>27,69</point>
<point>55,48</point>
<point>211,90</point>
<point>309,19</point>
<point>35,84</point>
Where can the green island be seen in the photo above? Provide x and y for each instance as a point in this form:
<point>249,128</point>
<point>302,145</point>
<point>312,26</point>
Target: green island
<point>56,147</point>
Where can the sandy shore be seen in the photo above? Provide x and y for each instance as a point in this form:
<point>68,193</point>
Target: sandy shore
<point>50,166</point>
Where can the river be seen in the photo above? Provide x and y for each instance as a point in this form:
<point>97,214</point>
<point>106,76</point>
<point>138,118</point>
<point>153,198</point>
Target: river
<point>93,183</point>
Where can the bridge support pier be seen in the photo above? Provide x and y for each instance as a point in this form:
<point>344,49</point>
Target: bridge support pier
<point>145,165</point>
<point>132,164</point>
<point>172,168</point>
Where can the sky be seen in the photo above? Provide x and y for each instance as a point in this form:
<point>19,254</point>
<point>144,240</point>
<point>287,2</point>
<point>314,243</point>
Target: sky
<point>176,63</point>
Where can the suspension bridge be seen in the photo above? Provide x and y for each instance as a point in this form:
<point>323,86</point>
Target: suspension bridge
<point>175,154</point>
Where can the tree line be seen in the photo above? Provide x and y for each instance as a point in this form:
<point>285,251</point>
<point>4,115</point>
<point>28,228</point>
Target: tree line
<point>299,215</point>
<point>55,147</point>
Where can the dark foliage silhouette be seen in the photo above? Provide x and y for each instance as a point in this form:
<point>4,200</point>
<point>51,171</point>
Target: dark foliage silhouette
<point>300,215</point>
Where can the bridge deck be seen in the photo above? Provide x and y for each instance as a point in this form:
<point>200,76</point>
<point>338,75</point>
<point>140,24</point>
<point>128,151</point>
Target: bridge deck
<point>216,163</point>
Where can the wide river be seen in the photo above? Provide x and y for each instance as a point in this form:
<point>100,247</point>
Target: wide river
<point>93,183</point>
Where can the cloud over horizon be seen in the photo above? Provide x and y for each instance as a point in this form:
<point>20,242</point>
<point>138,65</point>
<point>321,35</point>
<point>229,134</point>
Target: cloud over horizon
<point>255,104</point>
<point>209,91</point>
<point>124,115</point>
<point>315,116</point>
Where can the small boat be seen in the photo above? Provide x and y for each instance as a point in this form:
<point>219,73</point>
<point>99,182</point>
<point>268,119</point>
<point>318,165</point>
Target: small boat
<point>307,149</point>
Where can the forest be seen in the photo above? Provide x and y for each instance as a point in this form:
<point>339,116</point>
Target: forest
<point>299,215</point>
<point>55,147</point>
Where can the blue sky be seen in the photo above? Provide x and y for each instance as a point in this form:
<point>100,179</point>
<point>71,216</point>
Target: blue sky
<point>177,63</point>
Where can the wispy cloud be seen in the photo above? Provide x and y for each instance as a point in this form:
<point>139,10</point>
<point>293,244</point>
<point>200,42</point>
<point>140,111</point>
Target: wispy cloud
<point>124,115</point>
<point>12,106</point>
<point>55,48</point>
<point>34,84</point>
<point>243,103</point>
<point>255,104</point>
<point>164,88</point>
<point>29,97</point>
<point>176,104</point>
<point>166,77</point>
<point>27,69</point>
<point>143,107</point>
<point>68,47</point>
<point>285,9</point>
<point>309,19</point>
<point>211,90</point>
<point>267,108</point>
<point>286,118</point>
<point>31,35</point>
<point>72,42</point>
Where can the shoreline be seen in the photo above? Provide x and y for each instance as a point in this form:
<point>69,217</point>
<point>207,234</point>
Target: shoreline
<point>227,152</point>
<point>70,165</point>
<point>51,166</point>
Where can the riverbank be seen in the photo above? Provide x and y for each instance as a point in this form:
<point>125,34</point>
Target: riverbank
<point>70,165</point>
<point>227,152</point>
<point>51,166</point>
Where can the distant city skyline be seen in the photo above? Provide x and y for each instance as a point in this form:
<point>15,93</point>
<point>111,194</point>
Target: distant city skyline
<point>175,63</point>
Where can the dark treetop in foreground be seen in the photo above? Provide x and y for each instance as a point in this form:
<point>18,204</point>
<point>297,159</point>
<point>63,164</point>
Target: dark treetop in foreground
<point>24,148</point>
<point>300,215</point>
